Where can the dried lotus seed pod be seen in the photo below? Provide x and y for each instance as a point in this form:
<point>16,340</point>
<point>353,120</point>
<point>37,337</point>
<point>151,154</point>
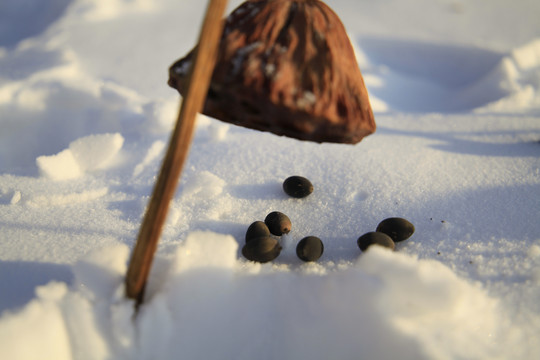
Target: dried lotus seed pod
<point>288,67</point>
<point>297,186</point>
<point>375,238</point>
<point>262,249</point>
<point>310,248</point>
<point>278,223</point>
<point>256,230</point>
<point>397,228</point>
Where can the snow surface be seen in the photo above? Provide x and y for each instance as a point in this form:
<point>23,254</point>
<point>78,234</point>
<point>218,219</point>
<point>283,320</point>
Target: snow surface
<point>85,116</point>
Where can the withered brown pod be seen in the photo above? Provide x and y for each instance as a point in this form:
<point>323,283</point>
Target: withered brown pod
<point>287,67</point>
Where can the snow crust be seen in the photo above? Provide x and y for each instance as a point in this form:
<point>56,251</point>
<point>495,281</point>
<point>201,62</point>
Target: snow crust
<point>85,117</point>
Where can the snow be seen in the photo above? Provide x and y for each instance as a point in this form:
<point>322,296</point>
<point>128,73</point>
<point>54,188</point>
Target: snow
<point>83,155</point>
<point>85,116</point>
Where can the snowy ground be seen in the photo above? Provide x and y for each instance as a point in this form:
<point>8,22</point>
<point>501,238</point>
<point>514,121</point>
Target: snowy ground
<point>85,114</point>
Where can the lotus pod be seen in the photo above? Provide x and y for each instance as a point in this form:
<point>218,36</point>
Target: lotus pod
<point>287,67</point>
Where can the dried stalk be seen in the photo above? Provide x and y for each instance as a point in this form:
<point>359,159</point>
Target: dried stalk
<point>165,187</point>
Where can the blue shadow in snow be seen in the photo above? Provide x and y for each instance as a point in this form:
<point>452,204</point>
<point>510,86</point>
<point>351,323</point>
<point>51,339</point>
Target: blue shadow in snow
<point>23,19</point>
<point>19,279</point>
<point>431,77</point>
<point>457,142</point>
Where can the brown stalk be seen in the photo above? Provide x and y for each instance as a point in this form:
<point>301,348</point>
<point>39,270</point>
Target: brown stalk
<point>165,187</point>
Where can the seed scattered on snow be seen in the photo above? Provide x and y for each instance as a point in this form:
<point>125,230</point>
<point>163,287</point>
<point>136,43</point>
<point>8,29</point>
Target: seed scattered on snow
<point>278,223</point>
<point>256,230</point>
<point>297,186</point>
<point>375,238</point>
<point>398,229</point>
<point>310,248</point>
<point>261,249</point>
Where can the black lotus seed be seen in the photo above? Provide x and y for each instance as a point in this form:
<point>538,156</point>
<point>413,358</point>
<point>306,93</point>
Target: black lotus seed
<point>278,223</point>
<point>310,248</point>
<point>297,186</point>
<point>375,238</point>
<point>397,228</point>
<point>256,230</point>
<point>262,249</point>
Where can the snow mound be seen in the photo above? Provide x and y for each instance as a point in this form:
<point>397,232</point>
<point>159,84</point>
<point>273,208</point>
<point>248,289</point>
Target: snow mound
<point>96,151</point>
<point>518,75</point>
<point>527,57</point>
<point>61,166</point>
<point>204,249</point>
<point>92,309</point>
<point>41,324</point>
<point>388,301</point>
<point>425,301</point>
<point>417,77</point>
<point>87,154</point>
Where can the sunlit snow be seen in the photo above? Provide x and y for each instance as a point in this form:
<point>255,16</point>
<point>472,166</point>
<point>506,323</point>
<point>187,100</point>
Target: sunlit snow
<point>85,117</point>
